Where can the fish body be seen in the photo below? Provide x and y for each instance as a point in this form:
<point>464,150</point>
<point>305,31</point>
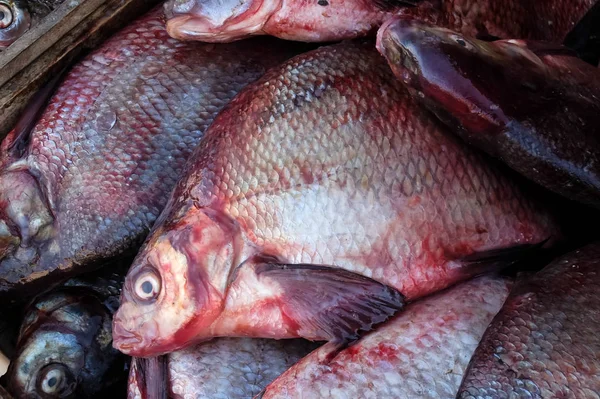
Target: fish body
<point>229,368</point>
<point>91,177</point>
<point>14,21</point>
<point>328,20</point>
<point>533,105</point>
<point>64,347</point>
<point>320,200</point>
<point>422,352</point>
<point>544,343</point>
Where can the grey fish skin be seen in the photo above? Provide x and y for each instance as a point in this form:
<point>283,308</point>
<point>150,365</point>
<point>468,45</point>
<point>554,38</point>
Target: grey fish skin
<point>533,105</point>
<point>224,368</point>
<point>64,347</point>
<point>421,353</point>
<point>232,368</point>
<point>544,343</point>
<point>321,199</point>
<point>90,179</point>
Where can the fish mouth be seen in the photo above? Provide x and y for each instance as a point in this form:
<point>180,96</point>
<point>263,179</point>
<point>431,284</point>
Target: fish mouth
<point>394,42</point>
<point>124,340</point>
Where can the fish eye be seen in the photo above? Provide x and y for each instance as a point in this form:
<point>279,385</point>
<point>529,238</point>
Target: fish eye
<point>461,41</point>
<point>6,16</point>
<point>147,285</point>
<point>54,380</point>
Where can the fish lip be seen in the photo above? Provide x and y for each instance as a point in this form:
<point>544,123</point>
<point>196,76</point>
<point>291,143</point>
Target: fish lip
<point>124,340</point>
<point>393,42</point>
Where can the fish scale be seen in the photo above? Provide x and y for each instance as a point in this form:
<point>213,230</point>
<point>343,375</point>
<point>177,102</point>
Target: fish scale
<point>544,341</point>
<point>320,171</point>
<point>113,140</point>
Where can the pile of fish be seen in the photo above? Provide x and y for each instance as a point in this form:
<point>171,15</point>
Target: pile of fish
<point>379,201</point>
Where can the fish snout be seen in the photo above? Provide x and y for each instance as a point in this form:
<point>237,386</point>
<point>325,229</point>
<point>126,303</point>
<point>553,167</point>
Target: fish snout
<point>400,40</point>
<point>125,340</point>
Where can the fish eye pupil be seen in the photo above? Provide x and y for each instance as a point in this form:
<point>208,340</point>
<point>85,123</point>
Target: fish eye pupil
<point>147,287</point>
<point>2,15</point>
<point>461,42</point>
<point>52,382</point>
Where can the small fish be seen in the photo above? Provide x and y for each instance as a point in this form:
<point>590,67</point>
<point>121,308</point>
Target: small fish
<point>544,343</point>
<point>329,20</point>
<point>422,352</point>
<point>64,349</point>
<point>14,21</point>
<point>87,182</point>
<point>533,105</point>
<point>320,201</point>
<point>232,368</point>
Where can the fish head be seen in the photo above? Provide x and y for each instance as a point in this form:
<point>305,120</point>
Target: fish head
<point>27,228</point>
<point>64,348</point>
<point>218,20</point>
<point>14,21</point>
<point>175,288</point>
<point>466,81</point>
<point>45,367</point>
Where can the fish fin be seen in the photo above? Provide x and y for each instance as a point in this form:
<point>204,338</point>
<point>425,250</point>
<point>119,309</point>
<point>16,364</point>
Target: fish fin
<point>152,377</point>
<point>390,5</point>
<point>584,38</point>
<point>18,138</point>
<point>500,258</point>
<point>330,302</point>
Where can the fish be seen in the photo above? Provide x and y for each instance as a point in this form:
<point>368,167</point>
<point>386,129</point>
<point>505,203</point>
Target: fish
<point>544,342</point>
<point>88,181</point>
<point>321,199</point>
<point>422,352</point>
<point>233,368</point>
<point>64,348</point>
<point>15,20</point>
<point>532,105</point>
<point>332,20</point>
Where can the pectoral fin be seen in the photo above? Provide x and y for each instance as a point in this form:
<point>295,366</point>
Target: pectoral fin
<point>329,302</point>
<point>500,258</point>
<point>150,378</point>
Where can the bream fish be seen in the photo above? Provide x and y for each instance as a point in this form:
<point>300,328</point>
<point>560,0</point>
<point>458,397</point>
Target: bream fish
<point>534,106</point>
<point>320,200</point>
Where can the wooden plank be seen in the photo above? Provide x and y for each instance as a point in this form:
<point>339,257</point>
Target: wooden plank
<point>72,29</point>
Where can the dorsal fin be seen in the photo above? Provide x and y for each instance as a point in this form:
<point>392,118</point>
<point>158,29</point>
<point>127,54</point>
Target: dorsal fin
<point>584,38</point>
